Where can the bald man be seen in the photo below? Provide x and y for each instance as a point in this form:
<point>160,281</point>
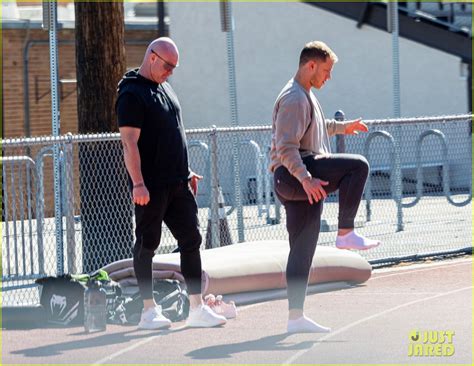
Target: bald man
<point>163,187</point>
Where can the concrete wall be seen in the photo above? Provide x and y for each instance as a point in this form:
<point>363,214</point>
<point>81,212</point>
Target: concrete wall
<point>268,39</point>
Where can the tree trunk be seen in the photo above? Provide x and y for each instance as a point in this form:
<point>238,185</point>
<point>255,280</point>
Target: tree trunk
<point>106,211</point>
<point>100,63</point>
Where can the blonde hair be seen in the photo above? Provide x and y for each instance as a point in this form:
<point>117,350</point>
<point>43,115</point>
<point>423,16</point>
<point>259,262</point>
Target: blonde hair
<point>316,50</point>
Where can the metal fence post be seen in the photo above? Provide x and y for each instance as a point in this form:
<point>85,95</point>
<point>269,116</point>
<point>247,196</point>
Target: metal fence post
<point>340,139</point>
<point>214,191</point>
<point>393,27</point>
<point>228,27</point>
<point>268,190</point>
<point>398,184</point>
<point>238,190</point>
<point>68,204</point>
<point>53,62</point>
<point>263,173</point>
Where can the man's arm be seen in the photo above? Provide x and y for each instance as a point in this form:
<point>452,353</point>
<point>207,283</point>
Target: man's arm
<point>291,124</point>
<point>129,137</point>
<point>194,181</point>
<point>291,121</point>
<point>355,126</point>
<point>352,127</point>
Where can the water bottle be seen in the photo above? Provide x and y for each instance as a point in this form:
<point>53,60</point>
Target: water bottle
<point>95,309</point>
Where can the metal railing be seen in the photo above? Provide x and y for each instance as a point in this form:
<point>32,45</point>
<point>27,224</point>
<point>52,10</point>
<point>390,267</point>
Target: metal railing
<point>417,198</point>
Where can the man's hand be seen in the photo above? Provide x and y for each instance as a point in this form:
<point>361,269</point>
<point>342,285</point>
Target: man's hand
<point>314,189</point>
<point>141,196</point>
<point>353,127</point>
<point>195,178</point>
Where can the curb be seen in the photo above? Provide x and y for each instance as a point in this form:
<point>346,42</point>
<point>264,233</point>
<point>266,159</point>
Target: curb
<point>23,317</point>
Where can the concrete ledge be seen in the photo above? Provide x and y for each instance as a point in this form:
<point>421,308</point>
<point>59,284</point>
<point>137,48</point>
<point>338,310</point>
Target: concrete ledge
<point>23,317</point>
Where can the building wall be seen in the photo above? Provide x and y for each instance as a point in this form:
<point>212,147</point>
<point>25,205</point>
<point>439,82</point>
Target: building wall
<point>39,79</point>
<point>268,39</point>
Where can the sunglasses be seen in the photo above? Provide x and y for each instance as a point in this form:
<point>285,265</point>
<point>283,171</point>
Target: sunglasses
<point>166,64</point>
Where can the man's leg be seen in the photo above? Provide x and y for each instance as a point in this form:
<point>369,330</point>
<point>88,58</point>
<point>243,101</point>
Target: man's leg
<point>182,220</point>
<point>148,234</point>
<point>303,225</point>
<point>348,173</point>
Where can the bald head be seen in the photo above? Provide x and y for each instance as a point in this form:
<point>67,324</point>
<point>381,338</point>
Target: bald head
<point>165,47</point>
<point>161,58</point>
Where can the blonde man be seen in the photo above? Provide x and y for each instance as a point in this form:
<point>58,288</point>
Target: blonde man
<point>305,172</point>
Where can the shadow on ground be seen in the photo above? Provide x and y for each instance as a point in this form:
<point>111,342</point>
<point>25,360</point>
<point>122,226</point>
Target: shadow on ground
<point>98,341</point>
<point>270,343</point>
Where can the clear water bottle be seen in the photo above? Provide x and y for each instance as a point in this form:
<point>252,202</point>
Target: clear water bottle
<point>95,307</point>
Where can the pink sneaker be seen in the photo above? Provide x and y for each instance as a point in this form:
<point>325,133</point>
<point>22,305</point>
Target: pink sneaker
<point>228,310</point>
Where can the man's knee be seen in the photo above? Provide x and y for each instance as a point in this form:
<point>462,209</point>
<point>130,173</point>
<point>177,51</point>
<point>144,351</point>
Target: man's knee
<point>142,252</point>
<point>191,243</point>
<point>362,164</point>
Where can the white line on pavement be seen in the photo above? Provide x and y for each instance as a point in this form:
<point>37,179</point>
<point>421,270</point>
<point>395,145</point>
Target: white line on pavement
<point>363,320</point>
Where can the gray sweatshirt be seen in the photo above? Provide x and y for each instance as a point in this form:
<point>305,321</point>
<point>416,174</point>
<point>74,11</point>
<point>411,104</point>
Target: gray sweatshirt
<point>299,129</point>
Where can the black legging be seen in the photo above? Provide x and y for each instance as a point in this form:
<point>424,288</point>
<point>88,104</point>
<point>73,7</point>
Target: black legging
<point>346,172</point>
<point>176,207</point>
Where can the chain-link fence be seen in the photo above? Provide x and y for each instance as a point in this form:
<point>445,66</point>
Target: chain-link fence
<point>417,199</point>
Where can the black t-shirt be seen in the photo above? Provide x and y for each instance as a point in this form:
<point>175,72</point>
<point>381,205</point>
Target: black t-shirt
<point>154,108</point>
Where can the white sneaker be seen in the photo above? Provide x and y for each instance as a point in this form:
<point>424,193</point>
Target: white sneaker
<point>352,240</point>
<point>152,318</point>
<point>305,325</point>
<point>204,317</point>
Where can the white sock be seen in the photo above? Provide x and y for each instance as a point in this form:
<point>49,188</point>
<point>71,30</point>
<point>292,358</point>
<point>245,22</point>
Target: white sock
<point>352,240</point>
<point>306,325</point>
